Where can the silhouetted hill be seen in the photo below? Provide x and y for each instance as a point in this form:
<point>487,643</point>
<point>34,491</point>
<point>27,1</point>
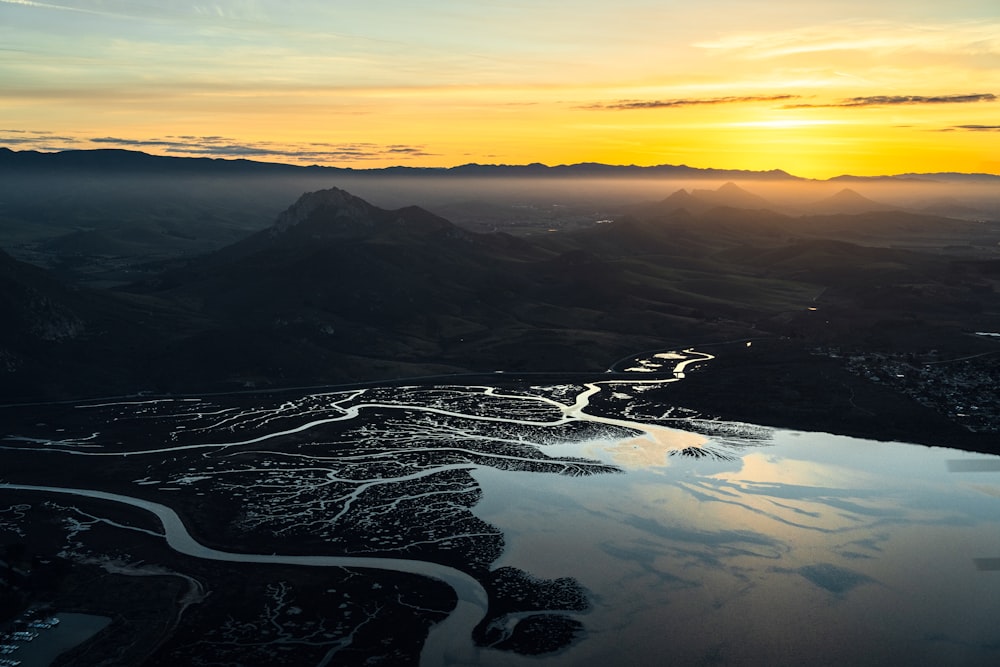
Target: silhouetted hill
<point>731,195</point>
<point>360,292</point>
<point>904,178</point>
<point>899,228</point>
<point>61,341</point>
<point>847,201</point>
<point>593,169</point>
<point>127,161</point>
<point>956,177</point>
<point>404,290</point>
<point>113,160</point>
<point>953,207</point>
<point>35,306</point>
<point>130,160</point>
<point>700,200</point>
<point>338,255</point>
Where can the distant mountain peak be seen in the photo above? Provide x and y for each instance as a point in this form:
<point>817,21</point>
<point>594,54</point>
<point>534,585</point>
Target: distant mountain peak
<point>334,205</point>
<point>680,200</point>
<point>849,201</point>
<point>698,201</point>
<point>732,196</point>
<point>848,194</point>
<point>679,195</point>
<point>336,213</point>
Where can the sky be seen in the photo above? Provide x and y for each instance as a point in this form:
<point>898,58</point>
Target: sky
<point>816,88</point>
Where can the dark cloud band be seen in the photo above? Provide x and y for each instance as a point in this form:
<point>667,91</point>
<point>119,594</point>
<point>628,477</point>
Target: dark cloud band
<point>625,105</point>
<point>217,146</point>
<point>978,128</point>
<point>892,100</point>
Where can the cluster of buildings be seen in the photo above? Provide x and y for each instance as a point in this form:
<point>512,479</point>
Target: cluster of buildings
<point>24,629</point>
<point>965,390</point>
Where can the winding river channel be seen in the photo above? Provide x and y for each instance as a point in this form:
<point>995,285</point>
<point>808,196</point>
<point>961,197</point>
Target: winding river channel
<point>449,644</point>
<point>695,541</point>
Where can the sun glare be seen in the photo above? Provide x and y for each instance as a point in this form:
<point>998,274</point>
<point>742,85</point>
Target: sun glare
<point>786,123</point>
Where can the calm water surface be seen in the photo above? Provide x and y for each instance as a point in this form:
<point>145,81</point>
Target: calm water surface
<point>804,548</point>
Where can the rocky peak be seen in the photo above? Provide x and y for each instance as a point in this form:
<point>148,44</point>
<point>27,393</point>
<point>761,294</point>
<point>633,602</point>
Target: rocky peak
<point>333,206</point>
<point>335,213</point>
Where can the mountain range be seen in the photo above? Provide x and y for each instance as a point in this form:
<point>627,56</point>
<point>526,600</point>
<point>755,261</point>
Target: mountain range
<point>731,195</point>
<point>129,161</point>
<point>132,161</point>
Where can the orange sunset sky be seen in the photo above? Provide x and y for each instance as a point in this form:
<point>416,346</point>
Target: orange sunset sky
<point>815,88</point>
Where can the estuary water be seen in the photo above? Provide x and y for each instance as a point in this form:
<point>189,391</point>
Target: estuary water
<point>799,548</point>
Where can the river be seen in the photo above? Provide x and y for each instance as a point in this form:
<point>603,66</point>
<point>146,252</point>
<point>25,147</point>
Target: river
<point>449,642</point>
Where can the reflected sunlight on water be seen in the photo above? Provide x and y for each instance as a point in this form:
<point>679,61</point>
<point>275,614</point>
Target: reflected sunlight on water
<point>652,447</point>
<point>807,549</point>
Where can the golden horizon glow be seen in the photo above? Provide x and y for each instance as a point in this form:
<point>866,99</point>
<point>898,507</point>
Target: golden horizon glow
<point>817,89</point>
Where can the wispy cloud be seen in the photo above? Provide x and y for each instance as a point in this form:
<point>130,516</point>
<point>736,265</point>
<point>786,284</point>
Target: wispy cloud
<point>148,10</point>
<point>891,100</point>
<point>134,143</point>
<point>867,37</point>
<point>35,140</point>
<point>624,105</point>
<point>224,147</point>
<point>972,128</point>
<point>49,5</point>
<point>40,140</point>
